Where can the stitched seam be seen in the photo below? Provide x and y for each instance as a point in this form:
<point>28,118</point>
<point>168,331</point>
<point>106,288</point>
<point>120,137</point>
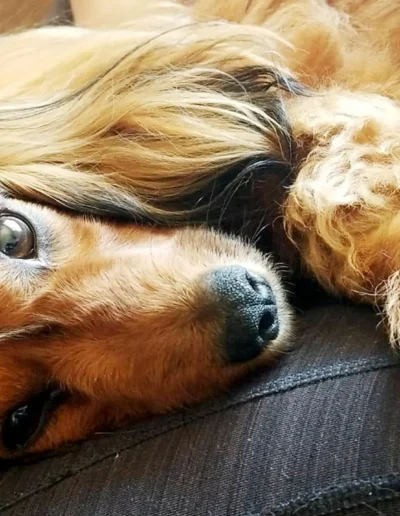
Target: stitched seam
<point>290,382</point>
<point>317,375</point>
<point>298,380</point>
<point>303,380</point>
<point>336,498</point>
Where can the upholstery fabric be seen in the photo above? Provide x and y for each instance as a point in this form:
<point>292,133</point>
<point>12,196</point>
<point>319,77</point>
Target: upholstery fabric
<point>316,434</point>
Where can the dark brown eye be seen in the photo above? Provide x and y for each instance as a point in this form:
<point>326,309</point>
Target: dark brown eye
<point>17,239</point>
<point>24,423</point>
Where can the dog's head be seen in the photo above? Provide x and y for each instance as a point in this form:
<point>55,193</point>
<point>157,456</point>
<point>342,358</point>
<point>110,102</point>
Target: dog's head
<point>103,319</point>
<point>100,321</point>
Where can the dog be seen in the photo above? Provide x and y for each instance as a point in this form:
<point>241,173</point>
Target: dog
<point>141,166</point>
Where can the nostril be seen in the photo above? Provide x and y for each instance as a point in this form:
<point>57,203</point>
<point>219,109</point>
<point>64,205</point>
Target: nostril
<point>268,327</point>
<point>249,307</point>
<point>265,323</point>
<point>253,281</point>
<point>260,287</point>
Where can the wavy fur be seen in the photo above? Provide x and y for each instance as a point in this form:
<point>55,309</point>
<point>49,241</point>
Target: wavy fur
<point>276,119</point>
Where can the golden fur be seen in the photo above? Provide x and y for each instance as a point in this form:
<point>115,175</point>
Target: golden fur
<point>168,124</point>
<point>119,316</point>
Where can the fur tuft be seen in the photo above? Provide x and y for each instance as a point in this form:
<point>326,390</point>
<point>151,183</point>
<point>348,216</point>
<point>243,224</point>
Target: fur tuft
<point>119,139</point>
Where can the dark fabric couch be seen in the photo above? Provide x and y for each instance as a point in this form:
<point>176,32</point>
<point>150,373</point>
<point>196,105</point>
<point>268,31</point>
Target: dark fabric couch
<point>317,434</point>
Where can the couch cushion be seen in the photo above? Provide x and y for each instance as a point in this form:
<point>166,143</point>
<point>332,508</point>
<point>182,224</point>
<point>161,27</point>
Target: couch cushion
<point>315,434</point>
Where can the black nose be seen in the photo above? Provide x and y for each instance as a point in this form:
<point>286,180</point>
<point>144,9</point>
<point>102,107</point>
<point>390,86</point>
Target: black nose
<point>251,317</point>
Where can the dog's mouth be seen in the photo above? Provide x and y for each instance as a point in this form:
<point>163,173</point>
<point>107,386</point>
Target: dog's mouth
<point>22,426</point>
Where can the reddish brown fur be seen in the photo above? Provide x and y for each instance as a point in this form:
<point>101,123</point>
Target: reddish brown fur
<point>130,334</point>
<point>118,316</point>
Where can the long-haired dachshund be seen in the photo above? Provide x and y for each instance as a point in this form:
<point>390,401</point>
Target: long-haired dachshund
<point>276,120</point>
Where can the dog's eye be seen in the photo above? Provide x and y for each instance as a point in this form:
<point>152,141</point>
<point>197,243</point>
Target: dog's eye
<point>17,239</point>
<point>24,423</point>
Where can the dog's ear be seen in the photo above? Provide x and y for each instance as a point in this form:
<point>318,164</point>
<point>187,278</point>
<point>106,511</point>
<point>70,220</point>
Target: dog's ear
<point>219,175</point>
<point>254,181</point>
<point>167,134</point>
<point>388,298</point>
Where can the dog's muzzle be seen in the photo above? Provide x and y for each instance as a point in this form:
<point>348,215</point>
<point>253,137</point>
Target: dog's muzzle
<point>249,306</point>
